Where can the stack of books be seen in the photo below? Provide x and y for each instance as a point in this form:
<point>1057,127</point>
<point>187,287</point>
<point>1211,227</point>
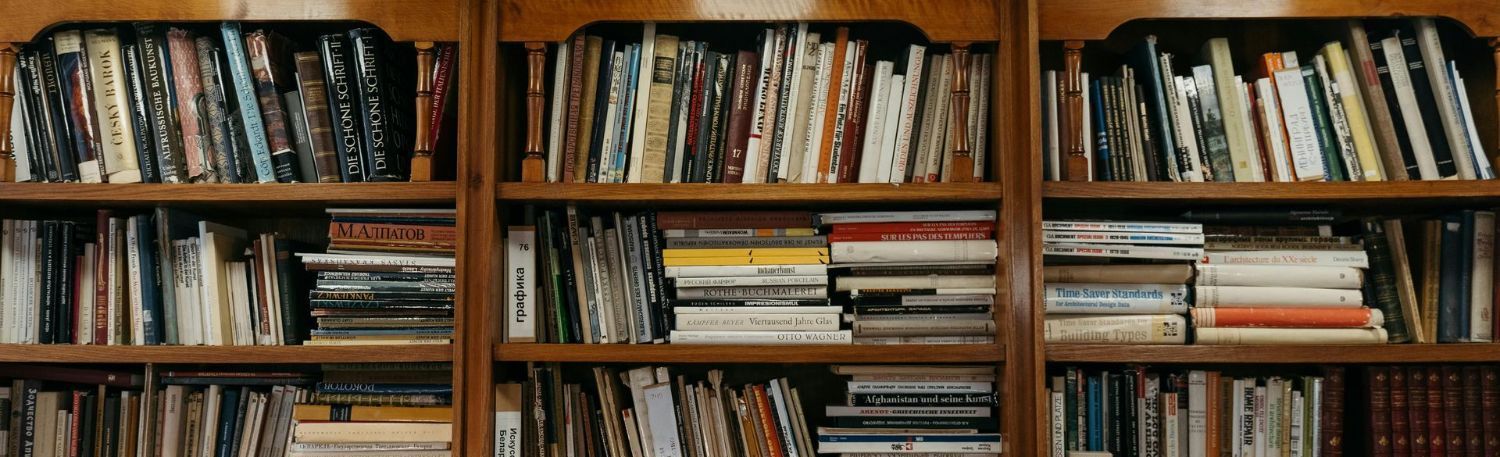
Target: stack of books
<point>1146,411</point>
<point>1254,287</point>
<point>1120,282</point>
<point>1383,104</point>
<point>916,277</point>
<point>806,104</point>
<point>211,412</point>
<point>932,410</point>
<point>52,409</point>
<point>178,104</point>
<point>647,410</point>
<point>162,277</point>
<point>1426,410</point>
<point>377,408</point>
<point>388,278</point>
<point>748,277</point>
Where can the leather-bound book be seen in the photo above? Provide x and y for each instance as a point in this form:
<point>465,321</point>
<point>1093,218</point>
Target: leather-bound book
<point>319,119</point>
<point>1489,404</point>
<point>741,113</point>
<point>1453,411</point>
<point>1416,411</point>
<point>1333,413</point>
<point>1379,379</point>
<point>1437,426</point>
<point>1473,415</point>
<point>1399,420</point>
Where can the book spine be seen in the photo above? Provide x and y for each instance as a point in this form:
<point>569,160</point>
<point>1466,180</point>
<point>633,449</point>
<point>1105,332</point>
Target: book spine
<point>763,292</point>
<point>572,123</point>
<point>913,251</point>
<point>111,100</point>
<point>1381,117</point>
<point>670,220</point>
<point>760,337</point>
<point>216,111</point>
<point>1357,259</point>
<point>1289,336</point>
<point>1286,317</point>
<point>1282,276</point>
<point>658,109</point>
<point>1115,298</point>
<point>1451,293</point>
<point>1427,104</point>
<point>190,114</point>
<point>1322,123</point>
<point>944,399</point>
<point>157,81</point>
<point>1143,329</point>
<point>766,322</point>
<point>1275,297</point>
<point>263,52</point>
<point>249,107</point>
<point>140,112</point>
<point>315,98</point>
<point>77,94</point>
<point>738,136</point>
<point>341,79</point>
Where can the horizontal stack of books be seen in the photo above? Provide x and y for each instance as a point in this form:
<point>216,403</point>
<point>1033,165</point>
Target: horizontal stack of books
<point>1254,287</point>
<point>930,410</point>
<point>647,409</point>
<point>176,104</point>
<point>808,105</point>
<point>376,409</point>
<point>1425,410</point>
<point>1145,411</point>
<point>1383,104</point>
<point>916,277</point>
<point>163,277</point>
<point>748,277</point>
<point>52,409</point>
<point>1119,282</point>
<point>212,412</point>
<point>388,278</point>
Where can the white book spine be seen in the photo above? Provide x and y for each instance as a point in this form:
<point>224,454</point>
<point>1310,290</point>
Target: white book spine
<point>753,292</point>
<point>1087,127</point>
<point>681,310</point>
<point>1442,90</point>
<point>1357,259</point>
<point>941,130</point>
<point>1411,114</point>
<point>1276,297</point>
<point>1260,436</point>
<point>981,107</point>
<point>133,269</point>
<point>508,442</point>
<point>1062,236</point>
<point>814,144</point>
<point>1482,296</point>
<point>559,109</point>
<point>1170,425</point>
<point>520,284</point>
<point>1247,122</point>
<point>1289,336</point>
<point>1122,251</point>
<point>111,107</point>
<point>746,270</point>
<point>1124,226</point>
<point>794,105</point>
<point>869,154</point>
<point>8,282</point>
<point>20,148</point>
<point>1117,329</point>
<point>1275,136</point>
<point>1297,426</point>
<point>1115,298</point>
<point>1197,401</point>
<point>1189,138</point>
<point>1274,417</point>
<point>847,283</point>
<point>890,126</point>
<point>898,387</point>
<point>1059,429</point>
<point>912,251</point>
<point>113,279</point>
<point>1482,166</point>
<point>753,158</point>
<point>766,322</point>
<point>1280,276</point>
<point>728,281</point>
<point>761,337</point>
<point>1307,161</point>
<point>915,57</point>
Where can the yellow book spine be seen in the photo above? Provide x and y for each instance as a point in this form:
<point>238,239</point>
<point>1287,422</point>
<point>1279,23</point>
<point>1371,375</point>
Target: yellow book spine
<point>790,260</point>
<point>1354,109</point>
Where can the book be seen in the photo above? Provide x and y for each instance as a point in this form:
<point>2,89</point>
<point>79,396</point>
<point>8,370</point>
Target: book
<point>1111,329</point>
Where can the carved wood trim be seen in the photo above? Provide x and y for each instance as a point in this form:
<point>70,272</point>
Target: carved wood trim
<point>7,105</point>
<point>536,63</point>
<point>962,169</point>
<point>1076,165</point>
<point>421,157</point>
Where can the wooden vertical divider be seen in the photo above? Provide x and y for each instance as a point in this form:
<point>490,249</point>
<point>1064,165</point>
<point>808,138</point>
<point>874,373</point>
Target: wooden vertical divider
<point>962,169</point>
<point>1076,166</point>
<point>478,257</point>
<point>536,63</point>
<point>7,106</point>
<point>421,157</point>
<point>1495,46</point>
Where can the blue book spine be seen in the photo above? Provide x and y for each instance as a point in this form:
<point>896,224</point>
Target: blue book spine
<point>151,290</point>
<point>255,131</point>
<point>1101,135</point>
<point>1144,60</point>
<point>1451,327</point>
<point>1465,274</point>
<point>229,404</point>
<point>1096,414</point>
<point>163,251</point>
<point>400,389</point>
<point>601,108</point>
<point>627,115</point>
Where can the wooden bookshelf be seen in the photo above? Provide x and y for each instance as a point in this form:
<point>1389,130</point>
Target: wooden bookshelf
<point>404,20</point>
<point>1446,192</point>
<point>1298,354</point>
<point>756,194</point>
<point>223,354</point>
<point>666,353</point>
<point>1095,19</point>
<point>229,195</point>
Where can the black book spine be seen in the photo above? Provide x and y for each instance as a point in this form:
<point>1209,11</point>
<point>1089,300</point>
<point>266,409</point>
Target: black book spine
<point>1450,304</point>
<point>682,88</point>
<point>87,428</point>
<point>140,113</point>
<point>1381,283</point>
<point>601,109</point>
<point>1408,158</point>
<point>921,309</point>
<point>703,148</point>
<point>156,78</point>
<point>1156,159</point>
<point>66,282</point>
<point>1427,101</point>
<point>1195,116</point>
<point>1128,432</point>
<point>62,128</point>
<point>566,294</point>
<point>43,166</point>
<point>109,432</point>
<point>239,422</point>
<point>981,423</point>
<point>288,273</point>
<point>387,133</point>
<point>1120,157</point>
<point>1114,441</point>
<point>343,103</point>
<point>47,316</point>
<point>782,124</point>
<point>656,283</point>
<point>224,431</point>
<point>28,425</point>
<point>718,118</point>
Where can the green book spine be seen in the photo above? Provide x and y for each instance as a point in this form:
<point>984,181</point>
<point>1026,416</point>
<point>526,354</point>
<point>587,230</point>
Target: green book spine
<point>1323,126</point>
<point>1381,285</point>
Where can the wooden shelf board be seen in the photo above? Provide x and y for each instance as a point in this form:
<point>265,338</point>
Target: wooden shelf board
<point>1095,19</point>
<point>45,353</point>
<point>751,194</point>
<point>1451,192</point>
<point>668,353</point>
<point>403,20</point>
<point>228,195</point>
<point>1274,354</point>
<point>941,20</point>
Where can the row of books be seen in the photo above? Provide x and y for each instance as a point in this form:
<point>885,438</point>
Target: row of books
<point>1384,104</point>
<point>932,410</point>
<point>809,105</point>
<point>163,277</point>
<point>1141,411</point>
<point>752,277</point>
<point>355,409</point>
<point>388,278</point>
<point>1428,410</point>
<point>162,103</point>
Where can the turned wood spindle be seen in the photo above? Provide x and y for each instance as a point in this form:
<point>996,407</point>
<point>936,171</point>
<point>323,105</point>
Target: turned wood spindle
<point>1076,167</point>
<point>1495,44</point>
<point>536,61</point>
<point>7,101</point>
<point>421,157</point>
<point>962,169</point>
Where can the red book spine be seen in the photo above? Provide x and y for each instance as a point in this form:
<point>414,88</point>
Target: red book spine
<point>442,81</point>
<point>1379,379</point>
<point>1400,420</point>
<point>1453,411</point>
<point>915,227</point>
<point>1333,413</point>
<point>75,435</point>
<point>575,96</point>
<point>1416,400</point>
<point>1489,403</point>
<point>101,279</point>
<point>837,237</point>
<point>741,114</point>
<point>1437,427</point>
<point>1473,416</point>
<point>695,111</point>
<point>854,123</point>
<point>673,220</point>
<point>393,233</point>
<point>81,300</point>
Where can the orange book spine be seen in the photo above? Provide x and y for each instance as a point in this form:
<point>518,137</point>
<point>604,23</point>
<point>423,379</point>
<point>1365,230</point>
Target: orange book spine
<point>830,120</point>
<point>768,422</point>
<point>1211,397</point>
<point>1285,317</point>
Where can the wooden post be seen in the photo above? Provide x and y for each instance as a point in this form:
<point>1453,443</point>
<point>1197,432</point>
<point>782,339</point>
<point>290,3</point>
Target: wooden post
<point>536,61</point>
<point>1076,165</point>
<point>1495,44</point>
<point>7,106</point>
<point>421,157</point>
<point>962,169</point>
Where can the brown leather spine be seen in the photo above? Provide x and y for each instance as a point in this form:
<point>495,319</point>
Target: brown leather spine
<point>1379,379</point>
<point>536,62</point>
<point>1437,426</point>
<point>1453,411</point>
<point>1399,418</point>
<point>1473,416</point>
<point>1416,411</point>
<point>7,99</point>
<point>421,157</point>
<point>1489,403</point>
<point>1076,167</point>
<point>963,160</point>
<point>1333,413</point>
